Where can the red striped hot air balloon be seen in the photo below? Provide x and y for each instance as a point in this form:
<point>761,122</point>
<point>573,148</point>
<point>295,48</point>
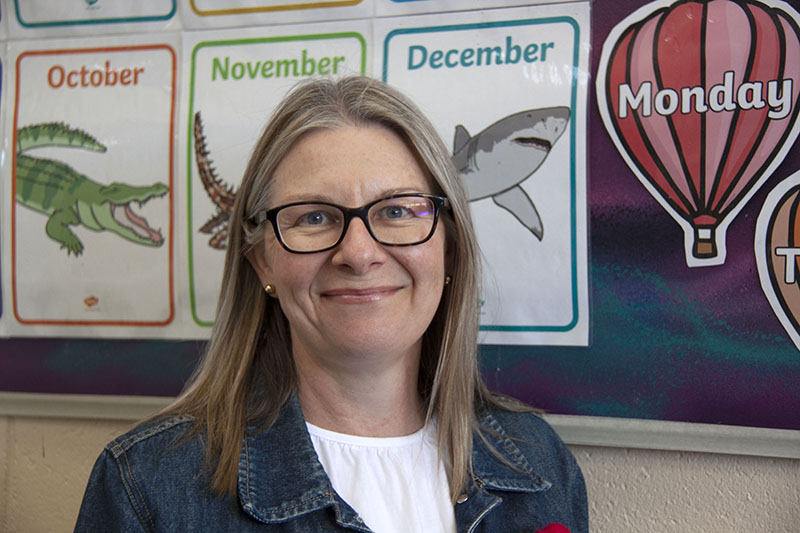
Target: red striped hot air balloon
<point>700,97</point>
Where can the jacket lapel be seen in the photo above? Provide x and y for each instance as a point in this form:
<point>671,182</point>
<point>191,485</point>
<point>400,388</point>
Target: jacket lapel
<point>280,476</point>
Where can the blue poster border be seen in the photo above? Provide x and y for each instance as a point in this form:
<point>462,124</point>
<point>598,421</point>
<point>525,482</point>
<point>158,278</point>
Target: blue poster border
<point>573,134</point>
<point>84,22</point>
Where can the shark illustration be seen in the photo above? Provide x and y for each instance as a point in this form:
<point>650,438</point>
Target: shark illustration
<point>495,161</point>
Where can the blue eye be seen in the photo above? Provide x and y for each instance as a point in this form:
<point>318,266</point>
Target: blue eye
<point>395,211</point>
<point>314,218</point>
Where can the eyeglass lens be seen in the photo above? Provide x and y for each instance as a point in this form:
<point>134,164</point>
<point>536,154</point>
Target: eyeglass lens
<point>399,220</point>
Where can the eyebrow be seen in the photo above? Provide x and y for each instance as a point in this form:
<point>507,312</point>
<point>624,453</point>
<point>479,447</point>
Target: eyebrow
<point>318,197</point>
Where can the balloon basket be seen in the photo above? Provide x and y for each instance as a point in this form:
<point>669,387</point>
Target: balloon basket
<point>705,246</point>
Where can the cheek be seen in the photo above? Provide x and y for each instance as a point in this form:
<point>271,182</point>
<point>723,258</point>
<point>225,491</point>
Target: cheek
<point>428,266</point>
<point>439,249</point>
<point>288,270</point>
<point>295,276</point>
<point>293,284</point>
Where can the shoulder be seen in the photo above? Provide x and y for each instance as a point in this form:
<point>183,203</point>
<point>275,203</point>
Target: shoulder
<point>158,449</point>
<point>528,442</point>
<point>161,432</point>
<point>520,454</point>
<point>139,473</point>
<point>523,426</point>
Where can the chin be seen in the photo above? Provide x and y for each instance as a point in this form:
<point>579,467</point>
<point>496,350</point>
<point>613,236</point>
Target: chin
<point>376,342</point>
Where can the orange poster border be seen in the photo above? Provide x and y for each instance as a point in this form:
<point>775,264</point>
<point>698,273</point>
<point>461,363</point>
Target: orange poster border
<point>171,231</point>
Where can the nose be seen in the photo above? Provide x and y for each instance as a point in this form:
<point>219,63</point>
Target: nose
<point>358,250</point>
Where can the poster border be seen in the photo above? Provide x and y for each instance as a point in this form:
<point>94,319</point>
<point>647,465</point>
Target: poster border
<point>573,156</point>
<point>85,22</point>
<point>267,9</point>
<point>171,156</point>
<point>190,137</point>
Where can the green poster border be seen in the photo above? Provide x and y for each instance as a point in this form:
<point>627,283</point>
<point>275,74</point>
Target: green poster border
<point>190,136</point>
<point>84,22</point>
<point>573,106</point>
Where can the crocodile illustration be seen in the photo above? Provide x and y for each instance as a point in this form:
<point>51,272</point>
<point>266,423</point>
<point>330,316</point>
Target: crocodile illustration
<point>221,195</point>
<point>69,198</point>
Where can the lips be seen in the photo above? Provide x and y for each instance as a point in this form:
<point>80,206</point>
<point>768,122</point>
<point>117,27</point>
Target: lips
<point>360,295</point>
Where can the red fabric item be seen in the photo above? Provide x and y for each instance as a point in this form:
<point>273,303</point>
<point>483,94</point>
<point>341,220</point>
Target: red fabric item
<point>554,528</point>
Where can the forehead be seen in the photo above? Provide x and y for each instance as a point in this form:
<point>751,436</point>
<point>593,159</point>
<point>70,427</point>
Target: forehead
<point>351,165</point>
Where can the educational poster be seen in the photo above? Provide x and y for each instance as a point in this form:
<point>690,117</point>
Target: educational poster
<point>699,99</point>
<point>233,81</point>
<point>507,90</point>
<point>669,341</point>
<point>88,187</point>
<point>52,18</point>
<point>777,249</point>
<point>413,7</point>
<point>199,14</point>
<point>3,150</point>
<point>3,23</point>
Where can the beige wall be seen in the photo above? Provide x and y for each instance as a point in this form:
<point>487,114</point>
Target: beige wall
<point>45,462</point>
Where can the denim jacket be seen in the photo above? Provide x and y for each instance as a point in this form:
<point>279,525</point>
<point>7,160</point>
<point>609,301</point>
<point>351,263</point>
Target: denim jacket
<point>148,480</point>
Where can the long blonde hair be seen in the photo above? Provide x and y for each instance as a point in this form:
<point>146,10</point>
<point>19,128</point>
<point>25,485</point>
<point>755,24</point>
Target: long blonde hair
<point>247,373</point>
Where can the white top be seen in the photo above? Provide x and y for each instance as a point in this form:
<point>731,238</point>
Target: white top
<point>395,484</point>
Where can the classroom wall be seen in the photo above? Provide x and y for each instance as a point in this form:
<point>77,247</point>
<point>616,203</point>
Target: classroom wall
<point>45,462</point>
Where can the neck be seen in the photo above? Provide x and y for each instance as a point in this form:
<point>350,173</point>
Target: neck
<point>373,398</point>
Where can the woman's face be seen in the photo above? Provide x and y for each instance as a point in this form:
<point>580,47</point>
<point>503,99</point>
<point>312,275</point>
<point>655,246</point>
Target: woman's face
<point>360,298</point>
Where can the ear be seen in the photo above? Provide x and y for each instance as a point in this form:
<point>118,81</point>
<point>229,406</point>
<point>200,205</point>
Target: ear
<point>450,259</point>
<point>257,258</point>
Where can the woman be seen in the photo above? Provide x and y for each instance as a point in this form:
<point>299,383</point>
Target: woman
<point>340,387</point>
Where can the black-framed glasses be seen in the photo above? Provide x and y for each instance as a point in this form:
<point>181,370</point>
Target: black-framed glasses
<point>399,220</point>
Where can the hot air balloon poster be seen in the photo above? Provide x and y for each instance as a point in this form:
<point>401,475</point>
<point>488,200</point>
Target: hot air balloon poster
<point>668,341</point>
<point>700,98</point>
<point>777,249</point>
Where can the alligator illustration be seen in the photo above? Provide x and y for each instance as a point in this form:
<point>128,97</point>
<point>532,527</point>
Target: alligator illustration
<point>222,195</point>
<point>494,162</point>
<point>69,198</point>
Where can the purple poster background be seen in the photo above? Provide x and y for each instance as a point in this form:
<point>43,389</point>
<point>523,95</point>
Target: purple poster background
<point>668,342</point>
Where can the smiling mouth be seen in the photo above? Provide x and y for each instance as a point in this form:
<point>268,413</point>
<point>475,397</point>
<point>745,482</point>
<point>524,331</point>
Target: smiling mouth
<point>360,295</point>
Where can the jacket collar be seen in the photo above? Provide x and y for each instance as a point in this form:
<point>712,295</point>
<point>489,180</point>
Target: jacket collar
<point>280,476</point>
<point>508,469</point>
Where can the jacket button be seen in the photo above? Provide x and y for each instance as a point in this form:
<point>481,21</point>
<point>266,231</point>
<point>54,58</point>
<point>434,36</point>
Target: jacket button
<point>462,498</point>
